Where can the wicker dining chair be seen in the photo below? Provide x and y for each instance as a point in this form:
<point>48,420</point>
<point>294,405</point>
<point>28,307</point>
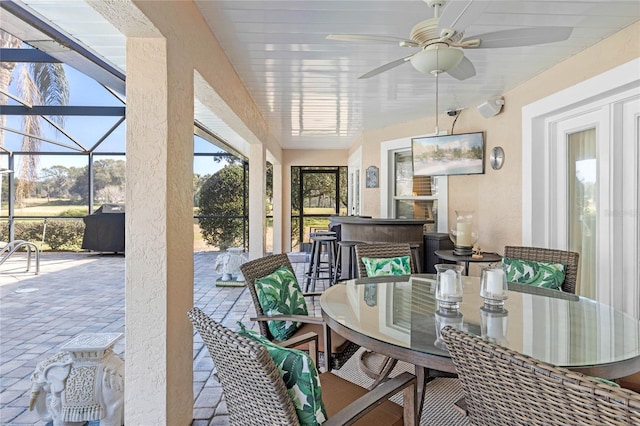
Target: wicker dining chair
<point>255,393</point>
<point>569,258</point>
<point>341,348</point>
<point>505,387</point>
<point>379,251</point>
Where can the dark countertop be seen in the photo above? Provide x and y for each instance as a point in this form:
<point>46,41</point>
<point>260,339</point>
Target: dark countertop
<point>355,220</point>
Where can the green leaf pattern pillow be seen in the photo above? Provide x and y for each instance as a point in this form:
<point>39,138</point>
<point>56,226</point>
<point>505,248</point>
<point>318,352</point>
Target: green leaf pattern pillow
<point>300,377</point>
<point>539,274</point>
<point>279,294</point>
<point>378,267</point>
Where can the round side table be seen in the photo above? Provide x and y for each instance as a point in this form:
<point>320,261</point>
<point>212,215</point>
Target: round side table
<point>486,258</point>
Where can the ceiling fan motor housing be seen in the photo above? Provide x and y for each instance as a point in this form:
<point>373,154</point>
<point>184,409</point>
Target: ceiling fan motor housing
<point>424,31</point>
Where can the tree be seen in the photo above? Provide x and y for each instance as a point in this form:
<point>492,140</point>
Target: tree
<point>198,181</point>
<point>223,195</point>
<point>6,69</point>
<point>106,173</point>
<point>56,181</point>
<point>38,84</point>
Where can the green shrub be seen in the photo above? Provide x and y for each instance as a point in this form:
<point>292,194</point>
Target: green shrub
<point>64,234</point>
<point>29,231</point>
<point>61,235</point>
<point>73,213</point>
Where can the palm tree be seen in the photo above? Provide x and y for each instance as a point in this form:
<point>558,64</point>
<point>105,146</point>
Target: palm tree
<point>6,69</point>
<point>38,84</point>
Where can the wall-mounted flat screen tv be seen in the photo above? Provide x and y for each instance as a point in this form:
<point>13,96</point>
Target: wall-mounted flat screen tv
<point>444,155</point>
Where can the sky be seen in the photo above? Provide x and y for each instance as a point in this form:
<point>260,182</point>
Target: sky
<point>84,91</point>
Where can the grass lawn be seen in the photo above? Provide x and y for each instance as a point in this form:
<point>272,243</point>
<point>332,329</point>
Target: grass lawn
<point>44,207</point>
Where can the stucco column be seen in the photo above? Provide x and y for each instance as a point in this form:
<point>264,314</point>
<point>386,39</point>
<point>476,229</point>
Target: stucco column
<point>159,235</point>
<point>257,192</point>
<point>277,209</point>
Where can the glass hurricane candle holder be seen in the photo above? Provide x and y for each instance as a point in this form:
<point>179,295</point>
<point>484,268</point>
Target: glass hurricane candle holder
<point>493,286</point>
<point>493,324</point>
<point>463,235</point>
<point>449,285</point>
<point>445,317</point>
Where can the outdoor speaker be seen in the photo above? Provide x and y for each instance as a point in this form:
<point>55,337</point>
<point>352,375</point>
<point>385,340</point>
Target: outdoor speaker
<point>491,107</point>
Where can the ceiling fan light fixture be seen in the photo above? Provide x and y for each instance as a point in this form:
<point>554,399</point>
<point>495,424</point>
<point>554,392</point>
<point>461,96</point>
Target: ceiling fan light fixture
<point>436,59</point>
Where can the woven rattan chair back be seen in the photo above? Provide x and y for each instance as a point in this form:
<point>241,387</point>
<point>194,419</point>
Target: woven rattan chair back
<point>537,254</point>
<point>263,266</point>
<point>382,250</point>
<point>504,387</point>
<point>253,389</point>
<point>259,268</point>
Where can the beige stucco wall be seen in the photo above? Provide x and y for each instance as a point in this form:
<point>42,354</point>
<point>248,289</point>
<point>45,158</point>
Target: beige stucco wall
<point>496,196</point>
<point>167,43</point>
<point>159,234</point>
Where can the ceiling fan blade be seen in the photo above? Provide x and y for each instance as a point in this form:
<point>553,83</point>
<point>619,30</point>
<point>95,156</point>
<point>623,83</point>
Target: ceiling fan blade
<point>463,70</point>
<point>522,37</point>
<point>459,14</point>
<point>386,67</point>
<point>370,38</point>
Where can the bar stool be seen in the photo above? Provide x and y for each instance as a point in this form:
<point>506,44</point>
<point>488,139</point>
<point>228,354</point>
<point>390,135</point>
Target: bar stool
<point>415,254</point>
<point>316,263</point>
<point>352,266</point>
<point>323,233</point>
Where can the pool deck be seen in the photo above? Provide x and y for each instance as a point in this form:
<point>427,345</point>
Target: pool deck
<point>79,293</point>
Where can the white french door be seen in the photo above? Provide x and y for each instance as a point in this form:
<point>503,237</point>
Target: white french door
<point>580,189</point>
<point>593,197</point>
<point>581,181</point>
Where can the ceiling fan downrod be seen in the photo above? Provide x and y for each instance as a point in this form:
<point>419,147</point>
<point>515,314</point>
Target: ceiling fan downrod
<point>436,5</point>
<point>436,73</point>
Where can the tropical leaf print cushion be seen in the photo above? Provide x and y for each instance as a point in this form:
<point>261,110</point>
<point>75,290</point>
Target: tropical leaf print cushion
<point>378,267</point>
<point>539,274</point>
<point>279,294</point>
<point>300,377</point>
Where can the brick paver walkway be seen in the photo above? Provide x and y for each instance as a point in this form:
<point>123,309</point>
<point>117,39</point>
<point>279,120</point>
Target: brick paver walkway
<point>84,293</point>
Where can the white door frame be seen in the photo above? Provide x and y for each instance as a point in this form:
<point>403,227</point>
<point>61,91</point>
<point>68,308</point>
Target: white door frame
<point>603,99</point>
<point>387,171</point>
<point>354,163</point>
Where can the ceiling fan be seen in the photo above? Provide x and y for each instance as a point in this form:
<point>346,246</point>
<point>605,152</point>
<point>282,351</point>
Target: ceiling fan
<point>441,41</point>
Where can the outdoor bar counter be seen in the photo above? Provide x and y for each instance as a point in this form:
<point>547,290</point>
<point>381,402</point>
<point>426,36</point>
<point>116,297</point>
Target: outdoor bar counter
<point>378,230</point>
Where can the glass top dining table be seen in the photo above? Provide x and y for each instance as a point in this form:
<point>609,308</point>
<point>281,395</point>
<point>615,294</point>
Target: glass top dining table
<point>399,317</point>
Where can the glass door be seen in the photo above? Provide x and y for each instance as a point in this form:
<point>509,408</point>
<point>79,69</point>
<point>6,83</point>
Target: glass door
<point>582,170</point>
<point>317,193</point>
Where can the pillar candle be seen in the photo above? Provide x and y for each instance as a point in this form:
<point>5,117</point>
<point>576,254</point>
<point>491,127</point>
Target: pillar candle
<point>463,237</point>
<point>495,281</point>
<point>448,283</point>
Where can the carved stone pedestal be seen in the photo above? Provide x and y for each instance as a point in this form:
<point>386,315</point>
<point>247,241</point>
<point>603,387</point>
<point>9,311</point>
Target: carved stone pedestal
<point>85,382</point>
